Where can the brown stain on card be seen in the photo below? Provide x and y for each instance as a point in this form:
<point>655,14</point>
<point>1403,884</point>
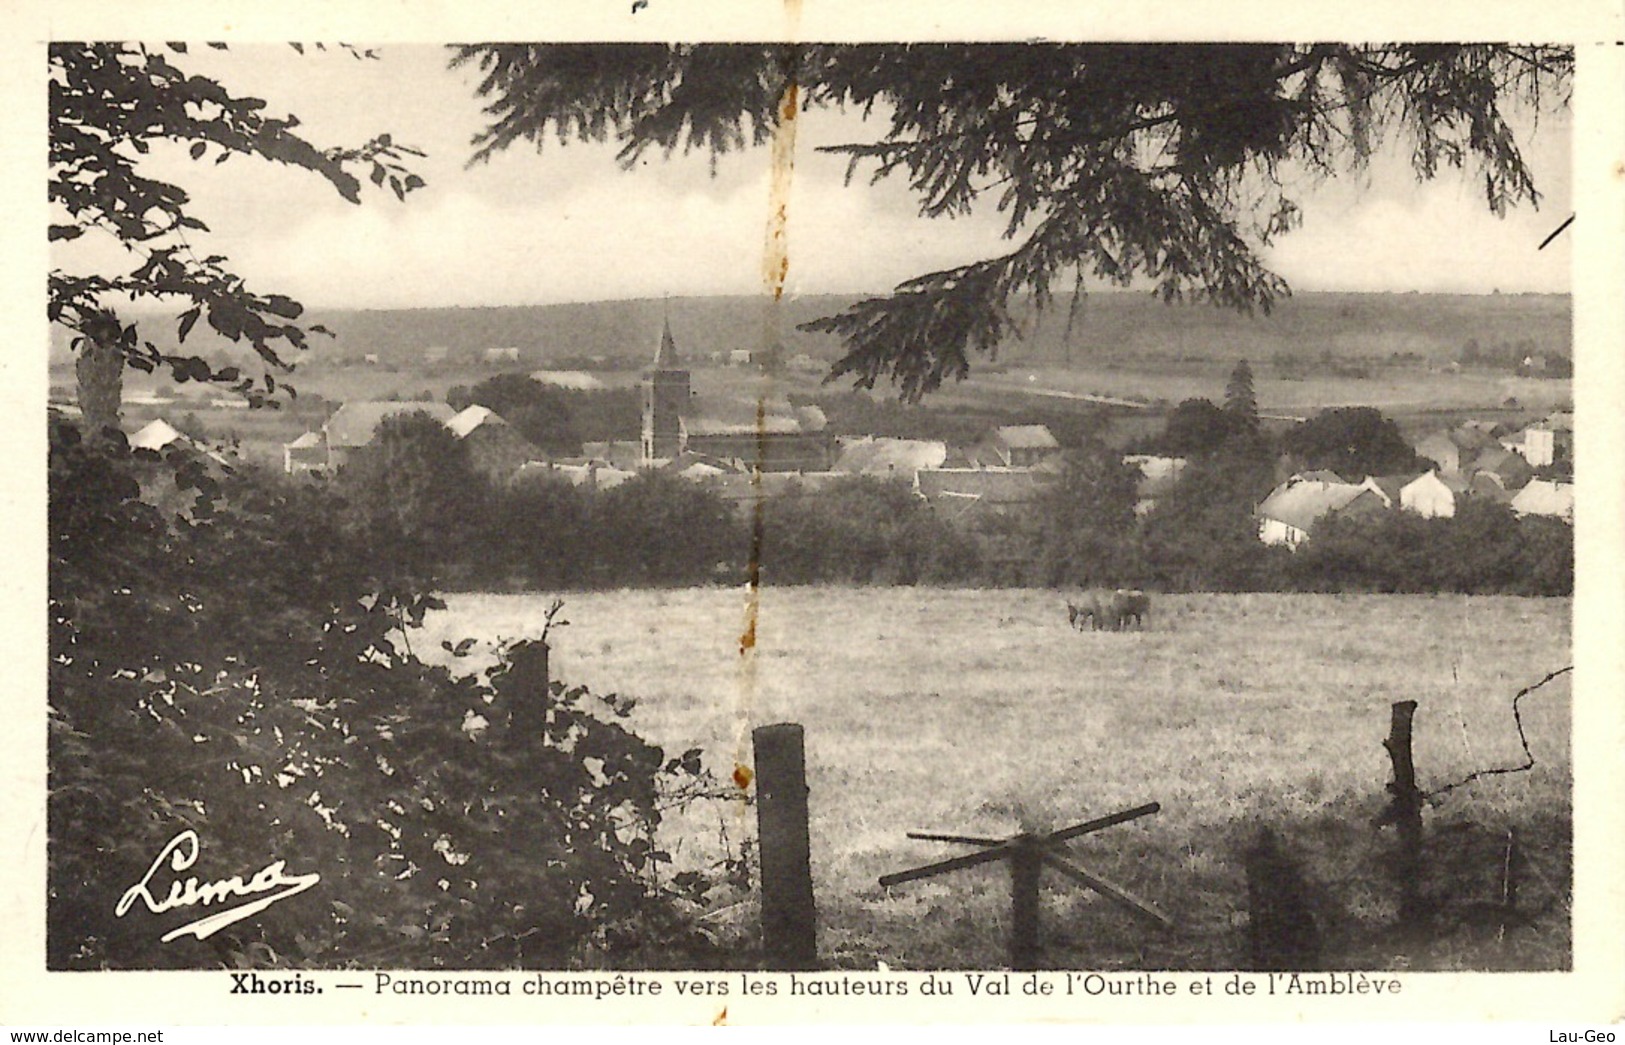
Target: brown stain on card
<point>775,272</point>
<point>776,256</point>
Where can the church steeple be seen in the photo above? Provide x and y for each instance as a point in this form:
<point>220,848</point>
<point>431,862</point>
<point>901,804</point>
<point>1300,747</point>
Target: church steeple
<point>666,353</point>
<point>665,400</point>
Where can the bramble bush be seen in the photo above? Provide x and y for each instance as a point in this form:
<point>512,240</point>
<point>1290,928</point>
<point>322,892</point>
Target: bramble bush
<point>232,663</point>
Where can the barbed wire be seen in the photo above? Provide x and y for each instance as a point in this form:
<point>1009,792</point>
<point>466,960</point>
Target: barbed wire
<point>1523,740</point>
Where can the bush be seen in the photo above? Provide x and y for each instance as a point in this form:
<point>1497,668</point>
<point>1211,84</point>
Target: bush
<point>238,670</point>
<point>861,531</point>
<point>658,529</point>
<point>1484,549</point>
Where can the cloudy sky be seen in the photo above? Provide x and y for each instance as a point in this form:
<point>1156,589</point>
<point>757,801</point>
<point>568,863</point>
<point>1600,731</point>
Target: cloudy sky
<point>568,224</point>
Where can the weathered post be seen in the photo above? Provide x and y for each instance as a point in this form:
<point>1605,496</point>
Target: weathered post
<point>531,681</point>
<point>1405,811</point>
<point>1026,859</point>
<point>789,919</point>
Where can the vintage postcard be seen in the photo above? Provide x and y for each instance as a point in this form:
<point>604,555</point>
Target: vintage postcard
<point>686,514</point>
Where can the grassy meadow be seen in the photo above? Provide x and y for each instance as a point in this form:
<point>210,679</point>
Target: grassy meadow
<point>982,712</point>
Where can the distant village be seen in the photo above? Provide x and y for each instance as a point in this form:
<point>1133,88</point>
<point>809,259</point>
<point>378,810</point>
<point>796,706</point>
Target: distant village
<point>775,449</point>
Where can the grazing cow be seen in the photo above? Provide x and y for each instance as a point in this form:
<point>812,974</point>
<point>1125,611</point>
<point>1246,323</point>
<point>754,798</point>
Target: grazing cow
<point>1094,610</point>
<point>1129,604</point>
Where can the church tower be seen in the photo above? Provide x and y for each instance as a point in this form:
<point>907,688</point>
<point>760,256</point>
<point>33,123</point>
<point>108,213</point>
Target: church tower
<point>665,401</point>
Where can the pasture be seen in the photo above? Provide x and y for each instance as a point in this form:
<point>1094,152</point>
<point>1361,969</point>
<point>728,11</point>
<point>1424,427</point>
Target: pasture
<point>982,712</point>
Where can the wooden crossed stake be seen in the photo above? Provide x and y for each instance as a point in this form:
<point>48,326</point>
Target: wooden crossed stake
<point>1028,853</point>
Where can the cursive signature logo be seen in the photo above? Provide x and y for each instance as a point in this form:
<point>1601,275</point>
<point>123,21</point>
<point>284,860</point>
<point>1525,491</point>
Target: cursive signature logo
<point>181,852</point>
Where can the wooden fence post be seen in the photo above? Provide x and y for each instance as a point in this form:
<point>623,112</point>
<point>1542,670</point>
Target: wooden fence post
<point>1026,860</point>
<point>789,918</point>
<point>1405,811</point>
<point>532,682</point>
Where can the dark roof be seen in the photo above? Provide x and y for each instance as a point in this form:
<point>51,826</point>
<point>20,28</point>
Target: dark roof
<point>1507,465</point>
<point>1392,484</point>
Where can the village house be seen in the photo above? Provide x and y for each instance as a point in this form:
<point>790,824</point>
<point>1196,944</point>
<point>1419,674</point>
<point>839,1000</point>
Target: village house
<point>159,435</point>
<point>743,491</point>
<point>1453,449</point>
<point>1546,497</point>
<point>626,454</point>
<point>495,449</point>
<point>1018,446</point>
<point>882,456</point>
<point>1546,442</point>
<point>1511,470</point>
<point>976,494</point>
<point>588,474</point>
<point>305,454</point>
<point>162,486</point>
<point>1430,496</point>
<point>350,430</point>
<point>1290,512</point>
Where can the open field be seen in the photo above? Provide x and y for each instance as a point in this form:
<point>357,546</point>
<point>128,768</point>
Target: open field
<point>981,711</point>
<point>1106,325</point>
<point>1396,391</point>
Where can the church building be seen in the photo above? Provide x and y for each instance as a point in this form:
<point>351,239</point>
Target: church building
<point>765,436</point>
<point>666,394</point>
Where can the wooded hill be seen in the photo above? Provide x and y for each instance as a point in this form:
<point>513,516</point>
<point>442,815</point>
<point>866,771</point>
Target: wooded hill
<point>1105,326</point>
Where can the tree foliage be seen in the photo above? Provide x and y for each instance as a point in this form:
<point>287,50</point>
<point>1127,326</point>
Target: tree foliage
<point>1203,534</point>
<point>111,105</point>
<point>862,530</point>
<point>659,529</point>
<point>240,672</point>
<point>1353,441</point>
<point>1197,427</point>
<point>1239,397</point>
<point>1087,520</point>
<point>1484,549</point>
<point>1117,162</point>
<point>538,412</point>
<point>412,490</point>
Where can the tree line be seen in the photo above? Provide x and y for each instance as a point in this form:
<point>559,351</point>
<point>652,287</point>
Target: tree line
<point>417,498</point>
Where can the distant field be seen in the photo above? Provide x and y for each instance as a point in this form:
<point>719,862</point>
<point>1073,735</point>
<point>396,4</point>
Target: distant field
<point>1107,325</point>
<point>1396,391</point>
<point>979,711</point>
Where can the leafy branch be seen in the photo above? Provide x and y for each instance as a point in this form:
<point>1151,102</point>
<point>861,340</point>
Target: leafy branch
<point>1126,161</point>
<point>110,104</point>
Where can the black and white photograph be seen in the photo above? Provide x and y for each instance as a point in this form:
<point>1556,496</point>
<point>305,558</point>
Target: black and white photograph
<point>1028,523</point>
